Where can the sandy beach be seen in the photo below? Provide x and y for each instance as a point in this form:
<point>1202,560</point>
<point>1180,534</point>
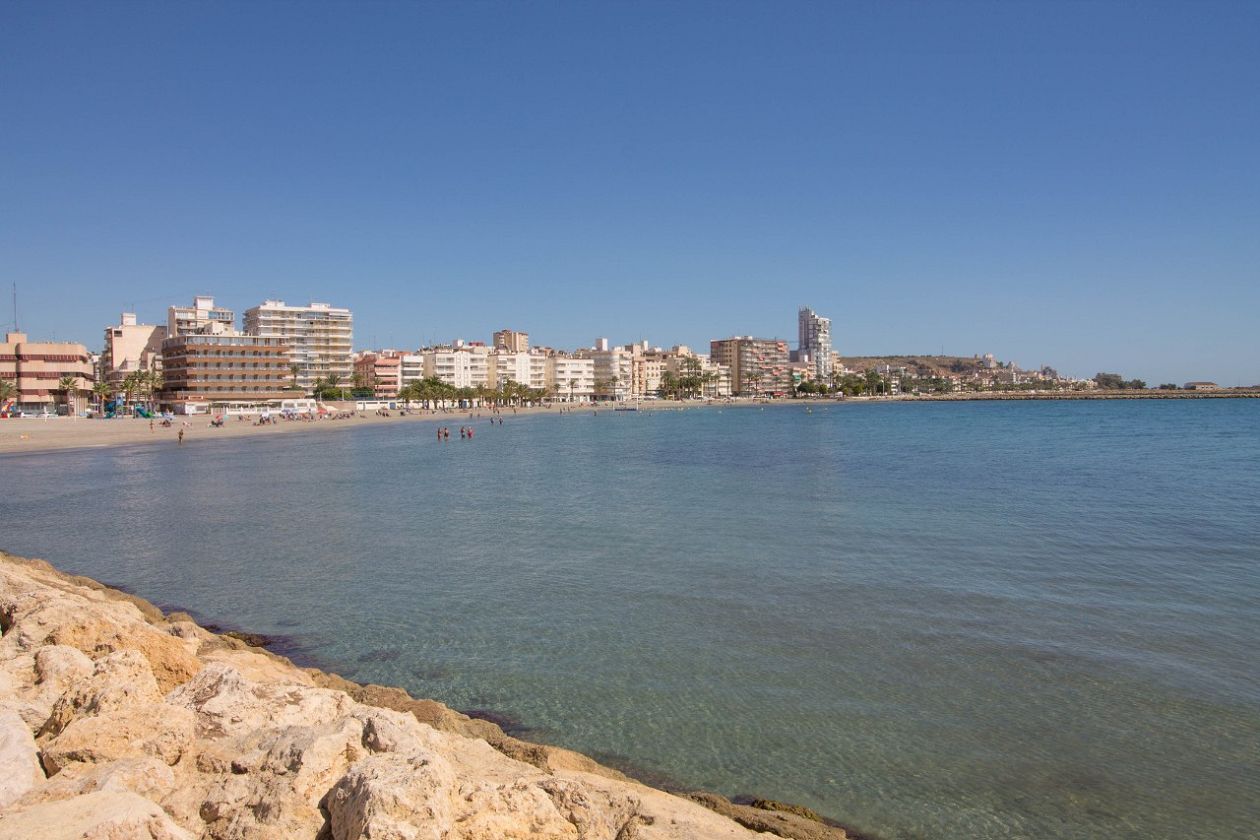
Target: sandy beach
<point>58,433</point>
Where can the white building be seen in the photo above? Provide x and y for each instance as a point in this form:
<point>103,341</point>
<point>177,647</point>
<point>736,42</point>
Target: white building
<point>571,379</point>
<point>319,337</point>
<point>814,342</point>
<point>464,366</point>
<point>411,368</point>
<point>529,369</point>
<point>614,371</point>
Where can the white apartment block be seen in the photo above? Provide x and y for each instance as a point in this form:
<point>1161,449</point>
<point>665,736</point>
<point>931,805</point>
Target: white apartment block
<point>814,342</point>
<point>529,369</point>
<point>571,379</point>
<point>411,368</point>
<point>319,337</point>
<point>614,372</point>
<point>461,366</point>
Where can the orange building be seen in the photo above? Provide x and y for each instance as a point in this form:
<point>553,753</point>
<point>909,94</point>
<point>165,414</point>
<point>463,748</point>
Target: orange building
<point>36,368</point>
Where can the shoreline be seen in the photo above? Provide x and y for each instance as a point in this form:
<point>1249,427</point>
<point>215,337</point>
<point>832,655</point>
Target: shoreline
<point>36,435</point>
<point>755,814</point>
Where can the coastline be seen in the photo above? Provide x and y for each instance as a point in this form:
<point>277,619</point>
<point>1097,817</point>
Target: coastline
<point>47,614</point>
<point>65,433</point>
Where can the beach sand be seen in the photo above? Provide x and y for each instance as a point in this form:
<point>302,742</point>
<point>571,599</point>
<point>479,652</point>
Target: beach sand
<point>56,433</point>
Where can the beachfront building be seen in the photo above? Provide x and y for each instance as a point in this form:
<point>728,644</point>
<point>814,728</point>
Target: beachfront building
<point>37,370</point>
<point>613,370</point>
<point>410,369</point>
<point>715,379</point>
<point>462,365</point>
<point>528,369</point>
<point>319,337</point>
<point>570,379</point>
<point>380,370</point>
<point>130,347</point>
<point>202,317</point>
<point>511,341</point>
<point>211,370</point>
<point>814,343</point>
<point>758,366</point>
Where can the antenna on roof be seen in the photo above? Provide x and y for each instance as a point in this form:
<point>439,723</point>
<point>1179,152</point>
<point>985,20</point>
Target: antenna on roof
<point>16,328</point>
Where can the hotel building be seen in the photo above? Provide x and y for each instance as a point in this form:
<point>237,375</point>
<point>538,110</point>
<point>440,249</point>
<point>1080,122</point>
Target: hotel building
<point>528,369</point>
<point>36,369</point>
<point>223,366</point>
<point>318,335</point>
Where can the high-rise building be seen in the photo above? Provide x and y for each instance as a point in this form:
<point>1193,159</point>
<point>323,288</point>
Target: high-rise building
<point>464,366</point>
<point>814,342</point>
<point>758,366</point>
<point>319,337</point>
<point>511,341</point>
<point>200,318</point>
<point>36,369</point>
<point>131,347</point>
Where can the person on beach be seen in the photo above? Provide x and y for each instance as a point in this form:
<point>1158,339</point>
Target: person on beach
<point>181,437</point>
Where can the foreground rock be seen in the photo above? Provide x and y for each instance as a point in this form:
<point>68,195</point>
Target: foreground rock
<point>119,722</point>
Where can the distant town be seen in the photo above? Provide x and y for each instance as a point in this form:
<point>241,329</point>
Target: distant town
<point>200,361</point>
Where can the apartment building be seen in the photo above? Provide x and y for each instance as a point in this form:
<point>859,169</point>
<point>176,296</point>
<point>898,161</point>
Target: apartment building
<point>319,337</point>
<point>814,343</point>
<point>613,370</point>
<point>203,316</point>
<point>36,369</point>
<point>130,347</point>
<point>758,366</point>
<point>529,369</point>
<point>511,341</point>
<point>570,379</point>
<point>410,369</point>
<point>463,365</point>
<point>715,379</point>
<point>379,370</point>
<point>223,367</point>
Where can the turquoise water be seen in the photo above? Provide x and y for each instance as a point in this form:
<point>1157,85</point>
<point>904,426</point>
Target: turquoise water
<point>984,620</point>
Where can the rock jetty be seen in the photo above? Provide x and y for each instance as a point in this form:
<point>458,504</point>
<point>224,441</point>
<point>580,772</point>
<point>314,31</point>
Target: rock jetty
<point>117,721</point>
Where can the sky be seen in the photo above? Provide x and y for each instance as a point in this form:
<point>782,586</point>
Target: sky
<point>1071,183</point>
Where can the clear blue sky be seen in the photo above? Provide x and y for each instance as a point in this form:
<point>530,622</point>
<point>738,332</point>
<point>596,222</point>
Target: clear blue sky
<point>1066,183</point>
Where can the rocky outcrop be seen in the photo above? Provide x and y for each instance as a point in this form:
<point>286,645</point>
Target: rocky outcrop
<point>117,721</point>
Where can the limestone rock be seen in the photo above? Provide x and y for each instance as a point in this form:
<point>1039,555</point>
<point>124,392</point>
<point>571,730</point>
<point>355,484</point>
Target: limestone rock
<point>155,729</point>
<point>92,816</point>
<point>401,797</point>
<point>19,760</point>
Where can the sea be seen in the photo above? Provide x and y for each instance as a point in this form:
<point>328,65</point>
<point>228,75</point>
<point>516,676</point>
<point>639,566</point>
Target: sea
<point>923,620</point>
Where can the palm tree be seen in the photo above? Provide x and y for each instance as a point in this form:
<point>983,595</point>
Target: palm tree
<point>294,370</point>
<point>102,389</point>
<point>68,385</point>
<point>153,382</point>
<point>131,383</point>
<point>7,391</point>
<point>572,385</point>
<point>612,385</point>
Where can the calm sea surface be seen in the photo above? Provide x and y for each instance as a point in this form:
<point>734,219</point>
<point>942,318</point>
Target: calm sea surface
<point>984,620</point>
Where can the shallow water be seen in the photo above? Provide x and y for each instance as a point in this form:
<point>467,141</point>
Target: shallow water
<point>988,620</point>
